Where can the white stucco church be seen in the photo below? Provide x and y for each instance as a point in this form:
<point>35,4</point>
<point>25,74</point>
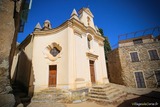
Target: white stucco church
<point>69,56</point>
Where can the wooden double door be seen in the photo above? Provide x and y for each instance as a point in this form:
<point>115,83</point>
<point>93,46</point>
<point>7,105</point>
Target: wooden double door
<point>92,73</point>
<point>52,75</point>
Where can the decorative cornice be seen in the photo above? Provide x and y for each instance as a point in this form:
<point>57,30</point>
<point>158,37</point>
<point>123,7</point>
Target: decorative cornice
<point>54,30</point>
<point>77,26</point>
<point>83,29</point>
<point>91,56</point>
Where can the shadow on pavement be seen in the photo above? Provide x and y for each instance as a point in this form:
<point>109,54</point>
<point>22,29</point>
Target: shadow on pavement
<point>151,99</point>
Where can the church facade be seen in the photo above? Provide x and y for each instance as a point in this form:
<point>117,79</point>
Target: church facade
<point>69,56</point>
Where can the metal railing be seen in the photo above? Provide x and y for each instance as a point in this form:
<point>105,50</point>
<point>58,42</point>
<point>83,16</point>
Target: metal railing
<point>155,31</point>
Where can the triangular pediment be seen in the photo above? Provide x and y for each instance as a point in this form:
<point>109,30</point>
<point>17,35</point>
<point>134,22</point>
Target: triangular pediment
<point>87,10</point>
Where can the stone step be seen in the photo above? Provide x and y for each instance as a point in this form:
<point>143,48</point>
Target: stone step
<point>104,91</point>
<point>100,100</point>
<point>98,93</point>
<point>107,93</point>
<point>116,98</point>
<point>97,90</point>
<point>100,86</point>
<point>115,94</point>
<point>101,90</point>
<point>111,91</point>
<point>98,96</point>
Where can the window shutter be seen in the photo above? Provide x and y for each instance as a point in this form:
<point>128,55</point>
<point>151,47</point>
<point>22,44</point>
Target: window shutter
<point>157,74</point>
<point>153,54</point>
<point>140,80</point>
<point>134,57</point>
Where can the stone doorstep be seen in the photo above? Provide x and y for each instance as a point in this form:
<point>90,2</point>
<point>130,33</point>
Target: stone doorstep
<point>104,90</point>
<point>98,93</point>
<point>98,96</point>
<point>97,90</point>
<point>100,100</point>
<point>100,87</point>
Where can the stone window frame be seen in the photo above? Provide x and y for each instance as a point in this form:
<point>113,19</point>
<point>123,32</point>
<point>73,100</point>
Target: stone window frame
<point>143,77</point>
<point>47,53</point>
<point>137,54</point>
<point>155,75</point>
<point>150,56</point>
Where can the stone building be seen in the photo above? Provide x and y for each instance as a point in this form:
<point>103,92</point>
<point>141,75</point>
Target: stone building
<point>10,11</point>
<point>69,56</point>
<point>136,62</point>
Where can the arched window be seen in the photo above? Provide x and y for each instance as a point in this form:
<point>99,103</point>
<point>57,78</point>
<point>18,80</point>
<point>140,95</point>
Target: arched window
<point>88,20</point>
<point>89,38</point>
<point>89,44</point>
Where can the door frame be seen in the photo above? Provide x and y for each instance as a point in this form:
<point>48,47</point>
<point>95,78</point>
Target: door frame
<point>94,72</point>
<point>49,76</point>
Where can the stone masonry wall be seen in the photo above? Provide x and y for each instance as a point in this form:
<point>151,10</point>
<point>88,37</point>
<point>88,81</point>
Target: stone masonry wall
<point>145,65</point>
<point>114,67</point>
<point>7,35</point>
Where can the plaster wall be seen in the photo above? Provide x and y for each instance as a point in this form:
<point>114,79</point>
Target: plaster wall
<point>41,62</point>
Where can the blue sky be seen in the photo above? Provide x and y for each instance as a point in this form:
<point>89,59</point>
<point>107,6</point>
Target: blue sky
<point>115,17</point>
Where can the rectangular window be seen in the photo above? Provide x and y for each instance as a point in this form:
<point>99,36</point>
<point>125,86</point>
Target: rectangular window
<point>157,74</point>
<point>153,54</point>
<point>140,80</point>
<point>137,41</point>
<point>134,57</point>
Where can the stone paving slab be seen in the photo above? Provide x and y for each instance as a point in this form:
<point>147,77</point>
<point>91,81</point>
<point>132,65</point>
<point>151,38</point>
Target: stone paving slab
<point>39,104</point>
<point>150,92</point>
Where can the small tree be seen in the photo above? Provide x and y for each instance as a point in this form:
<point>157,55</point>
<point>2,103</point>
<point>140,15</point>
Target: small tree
<point>107,46</point>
